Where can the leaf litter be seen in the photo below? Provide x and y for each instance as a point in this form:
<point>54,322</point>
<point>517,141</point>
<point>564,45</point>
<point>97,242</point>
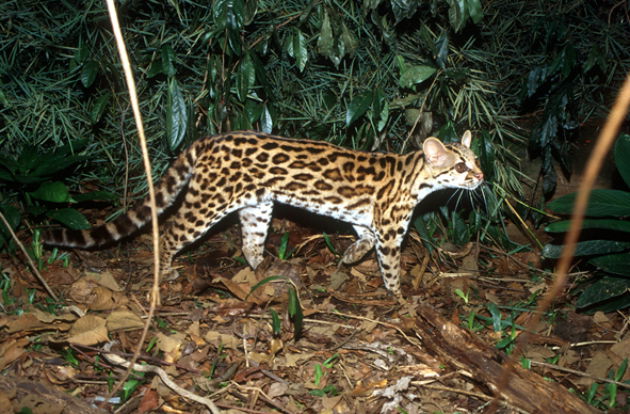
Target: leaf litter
<point>357,351</point>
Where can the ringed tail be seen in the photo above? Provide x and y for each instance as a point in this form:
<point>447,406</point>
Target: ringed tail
<point>166,191</point>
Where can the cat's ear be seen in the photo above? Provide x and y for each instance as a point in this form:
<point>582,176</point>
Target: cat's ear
<point>466,139</point>
<point>435,152</point>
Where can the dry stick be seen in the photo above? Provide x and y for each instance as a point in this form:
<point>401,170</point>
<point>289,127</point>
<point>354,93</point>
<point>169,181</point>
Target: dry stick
<point>133,97</point>
<point>28,258</point>
<point>604,142</point>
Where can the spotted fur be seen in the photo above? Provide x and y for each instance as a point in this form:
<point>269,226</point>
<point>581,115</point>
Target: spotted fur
<point>248,172</point>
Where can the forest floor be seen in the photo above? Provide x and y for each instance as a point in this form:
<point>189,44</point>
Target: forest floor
<point>358,350</point>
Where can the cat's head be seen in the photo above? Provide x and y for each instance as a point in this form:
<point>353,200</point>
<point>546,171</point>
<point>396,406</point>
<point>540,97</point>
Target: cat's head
<point>452,165</point>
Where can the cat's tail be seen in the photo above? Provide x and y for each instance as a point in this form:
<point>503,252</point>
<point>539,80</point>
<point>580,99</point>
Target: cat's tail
<point>166,191</point>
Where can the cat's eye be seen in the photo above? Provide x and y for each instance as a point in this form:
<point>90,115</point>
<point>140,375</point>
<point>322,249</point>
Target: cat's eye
<point>461,167</point>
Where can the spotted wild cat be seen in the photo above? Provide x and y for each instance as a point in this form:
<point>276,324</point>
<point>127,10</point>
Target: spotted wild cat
<point>249,171</point>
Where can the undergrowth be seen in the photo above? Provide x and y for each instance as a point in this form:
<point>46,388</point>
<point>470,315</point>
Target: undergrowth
<point>372,75</point>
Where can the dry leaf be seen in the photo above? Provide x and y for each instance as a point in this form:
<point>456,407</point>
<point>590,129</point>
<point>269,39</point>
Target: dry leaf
<point>171,345</point>
<point>89,330</point>
<point>123,319</point>
<point>277,389</point>
<point>12,349</point>
<point>228,341</point>
<point>104,279</point>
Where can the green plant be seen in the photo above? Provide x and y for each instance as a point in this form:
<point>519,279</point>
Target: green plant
<point>606,247</point>
<point>608,397</point>
<point>319,372</point>
<point>294,308</point>
<point>33,178</point>
<point>284,252</point>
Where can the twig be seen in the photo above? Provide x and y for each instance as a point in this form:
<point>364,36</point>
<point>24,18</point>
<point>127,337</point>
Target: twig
<point>133,97</point>
<point>580,373</point>
<point>28,259</point>
<point>115,359</point>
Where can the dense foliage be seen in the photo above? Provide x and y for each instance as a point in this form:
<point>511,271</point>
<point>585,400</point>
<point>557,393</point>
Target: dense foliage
<point>375,75</point>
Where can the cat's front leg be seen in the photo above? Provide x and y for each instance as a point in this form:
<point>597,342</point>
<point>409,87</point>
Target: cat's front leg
<point>388,254</point>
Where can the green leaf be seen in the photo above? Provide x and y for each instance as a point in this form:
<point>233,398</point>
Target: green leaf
<point>358,107</point>
<point>587,248</point>
<point>168,58</point>
<point>88,73</point>
<point>329,244</point>
<point>266,121</point>
<point>602,203</point>
<point>404,9</point>
<point>295,311</point>
<point>264,282</point>
<point>457,14</point>
<point>276,324</point>
<point>617,225</point>
<point>606,289</point>
<point>622,157</point>
<point>53,191</point>
<point>414,74</point>
<point>441,45</point>
<point>475,11</point>
<point>326,41</point>
<point>100,104</point>
<point>95,196</point>
<point>283,249</point>
<point>495,314</point>
<point>13,216</point>
<point>296,48</point>
<point>246,77</point>
<point>70,218</point>
<point>176,115</point>
<point>613,263</point>
<point>621,370</point>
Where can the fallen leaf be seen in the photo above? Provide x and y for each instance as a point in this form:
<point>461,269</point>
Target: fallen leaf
<point>105,279</point>
<point>150,402</point>
<point>171,345</point>
<point>12,349</point>
<point>277,389</point>
<point>88,330</point>
<point>123,319</point>
<point>337,279</point>
<point>228,341</point>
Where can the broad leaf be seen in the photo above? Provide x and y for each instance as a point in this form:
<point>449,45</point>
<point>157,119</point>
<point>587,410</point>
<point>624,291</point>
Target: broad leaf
<point>296,48</point>
<point>414,74</point>
<point>245,78</point>
<point>613,263</point>
<point>53,191</point>
<point>602,203</point>
<point>404,9</point>
<point>168,58</point>
<point>604,290</point>
<point>266,121</point>
<point>587,248</point>
<point>100,104</point>
<point>88,73</point>
<point>475,11</point>
<point>176,115</point>
<point>622,157</point>
<point>616,225</point>
<point>326,41</point>
<point>358,107</point>
<point>70,218</point>
<point>457,14</point>
<point>95,196</point>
